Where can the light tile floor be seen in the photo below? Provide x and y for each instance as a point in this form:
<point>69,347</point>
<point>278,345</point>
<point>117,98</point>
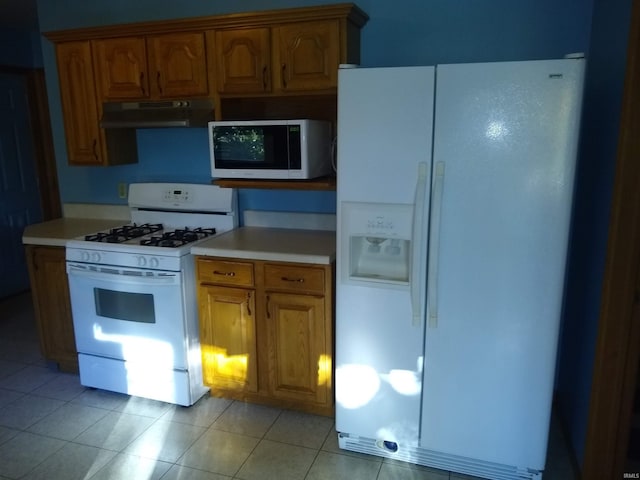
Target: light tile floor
<point>52,428</point>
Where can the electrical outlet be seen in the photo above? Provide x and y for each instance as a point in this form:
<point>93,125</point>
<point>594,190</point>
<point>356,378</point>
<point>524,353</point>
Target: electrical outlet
<point>122,190</point>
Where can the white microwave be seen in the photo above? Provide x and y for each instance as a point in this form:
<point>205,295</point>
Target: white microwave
<point>270,149</point>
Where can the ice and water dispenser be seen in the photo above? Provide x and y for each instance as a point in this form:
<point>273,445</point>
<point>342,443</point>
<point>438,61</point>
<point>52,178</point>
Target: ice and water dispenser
<point>377,243</point>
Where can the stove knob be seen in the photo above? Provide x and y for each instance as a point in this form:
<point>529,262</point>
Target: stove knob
<point>95,257</point>
<point>85,257</point>
<point>154,262</point>
<point>142,261</point>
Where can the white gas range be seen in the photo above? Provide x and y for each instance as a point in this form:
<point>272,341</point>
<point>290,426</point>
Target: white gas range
<point>133,292</point>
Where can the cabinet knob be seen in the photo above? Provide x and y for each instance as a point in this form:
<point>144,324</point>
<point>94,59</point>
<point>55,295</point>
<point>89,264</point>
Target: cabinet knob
<point>284,75</point>
<point>264,78</point>
<point>158,83</point>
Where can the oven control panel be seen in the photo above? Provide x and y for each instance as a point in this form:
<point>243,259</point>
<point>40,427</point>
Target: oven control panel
<point>124,259</point>
<point>181,195</point>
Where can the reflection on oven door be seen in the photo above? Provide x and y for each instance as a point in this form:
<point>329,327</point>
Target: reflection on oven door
<point>136,317</point>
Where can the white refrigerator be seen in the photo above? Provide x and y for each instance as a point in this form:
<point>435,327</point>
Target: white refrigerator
<point>454,196</point>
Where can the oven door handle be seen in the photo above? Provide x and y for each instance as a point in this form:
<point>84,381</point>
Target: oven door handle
<point>123,277</point>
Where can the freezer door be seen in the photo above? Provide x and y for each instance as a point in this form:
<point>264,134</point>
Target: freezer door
<point>384,149</point>
<point>506,137</point>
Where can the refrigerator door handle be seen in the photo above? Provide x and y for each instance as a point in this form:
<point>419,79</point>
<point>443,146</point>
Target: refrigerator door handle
<point>434,244</point>
<point>417,244</point>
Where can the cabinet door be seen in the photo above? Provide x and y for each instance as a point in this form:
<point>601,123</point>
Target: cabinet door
<point>121,67</point>
<point>299,356</point>
<point>50,294</point>
<point>80,108</point>
<point>179,65</point>
<point>227,338</point>
<point>244,60</point>
<point>308,55</point>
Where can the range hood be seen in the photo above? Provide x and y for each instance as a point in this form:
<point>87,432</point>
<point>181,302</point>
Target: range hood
<point>157,114</point>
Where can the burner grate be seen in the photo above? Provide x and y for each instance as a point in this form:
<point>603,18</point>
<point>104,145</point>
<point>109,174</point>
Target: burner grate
<point>178,237</point>
<point>124,233</point>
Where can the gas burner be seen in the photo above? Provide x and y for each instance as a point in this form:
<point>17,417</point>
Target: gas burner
<point>178,237</point>
<point>124,233</point>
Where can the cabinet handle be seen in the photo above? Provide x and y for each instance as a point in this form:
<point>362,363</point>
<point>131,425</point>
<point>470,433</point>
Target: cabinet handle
<point>264,78</point>
<point>268,308</point>
<point>158,82</point>
<point>142,84</point>
<point>249,303</point>
<point>95,148</point>
<point>226,274</point>
<point>284,75</point>
<point>287,279</point>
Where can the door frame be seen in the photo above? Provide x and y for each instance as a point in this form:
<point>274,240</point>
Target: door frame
<point>617,352</point>
<point>42,138</point>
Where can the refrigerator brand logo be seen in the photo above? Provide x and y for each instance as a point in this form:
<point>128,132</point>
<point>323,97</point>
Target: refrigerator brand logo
<point>631,475</point>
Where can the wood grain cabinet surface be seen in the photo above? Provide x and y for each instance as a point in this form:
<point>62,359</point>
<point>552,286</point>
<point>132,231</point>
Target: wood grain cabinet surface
<point>81,111</point>
<point>243,60</point>
<point>295,57</point>
<point>307,56</point>
<point>52,306</point>
<point>122,69</point>
<point>154,67</point>
<point>271,64</point>
<point>178,65</point>
<point>267,338</point>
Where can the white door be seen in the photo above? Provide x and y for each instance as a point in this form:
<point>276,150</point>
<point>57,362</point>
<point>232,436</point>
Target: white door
<point>507,134</point>
<point>384,149</point>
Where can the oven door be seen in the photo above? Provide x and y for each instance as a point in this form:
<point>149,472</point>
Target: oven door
<point>128,314</point>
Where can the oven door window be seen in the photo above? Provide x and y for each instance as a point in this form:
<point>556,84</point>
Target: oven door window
<point>132,307</point>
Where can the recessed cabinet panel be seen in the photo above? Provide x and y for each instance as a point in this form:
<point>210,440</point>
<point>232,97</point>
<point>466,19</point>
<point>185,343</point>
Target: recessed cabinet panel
<point>121,64</point>
<point>309,55</point>
<point>178,65</point>
<point>299,364</point>
<point>244,60</point>
<point>227,338</point>
<point>85,139</point>
<point>52,305</point>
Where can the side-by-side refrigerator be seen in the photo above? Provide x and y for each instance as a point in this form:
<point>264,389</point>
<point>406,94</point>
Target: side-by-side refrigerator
<point>454,199</point>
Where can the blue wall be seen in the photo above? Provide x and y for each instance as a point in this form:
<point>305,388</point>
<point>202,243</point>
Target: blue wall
<point>599,140</point>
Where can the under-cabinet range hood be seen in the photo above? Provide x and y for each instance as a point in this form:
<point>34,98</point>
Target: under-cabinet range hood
<point>157,114</point>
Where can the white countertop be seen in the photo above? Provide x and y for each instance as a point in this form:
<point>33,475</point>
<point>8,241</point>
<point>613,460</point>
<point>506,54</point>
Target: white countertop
<point>57,232</point>
<point>272,244</point>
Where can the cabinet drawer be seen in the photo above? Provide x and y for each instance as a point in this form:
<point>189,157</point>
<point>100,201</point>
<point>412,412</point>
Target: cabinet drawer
<point>289,277</point>
<point>225,272</point>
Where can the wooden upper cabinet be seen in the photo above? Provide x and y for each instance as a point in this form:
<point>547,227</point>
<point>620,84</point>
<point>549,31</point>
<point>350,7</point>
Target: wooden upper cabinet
<point>243,60</point>
<point>178,65</point>
<point>121,66</point>
<point>160,66</point>
<point>81,111</point>
<point>307,55</point>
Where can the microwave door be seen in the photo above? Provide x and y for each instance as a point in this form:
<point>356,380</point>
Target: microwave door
<point>250,151</point>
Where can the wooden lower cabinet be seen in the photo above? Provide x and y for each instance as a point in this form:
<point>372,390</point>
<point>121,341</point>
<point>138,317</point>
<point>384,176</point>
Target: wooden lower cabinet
<point>229,343</point>
<point>52,305</point>
<point>266,332</point>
